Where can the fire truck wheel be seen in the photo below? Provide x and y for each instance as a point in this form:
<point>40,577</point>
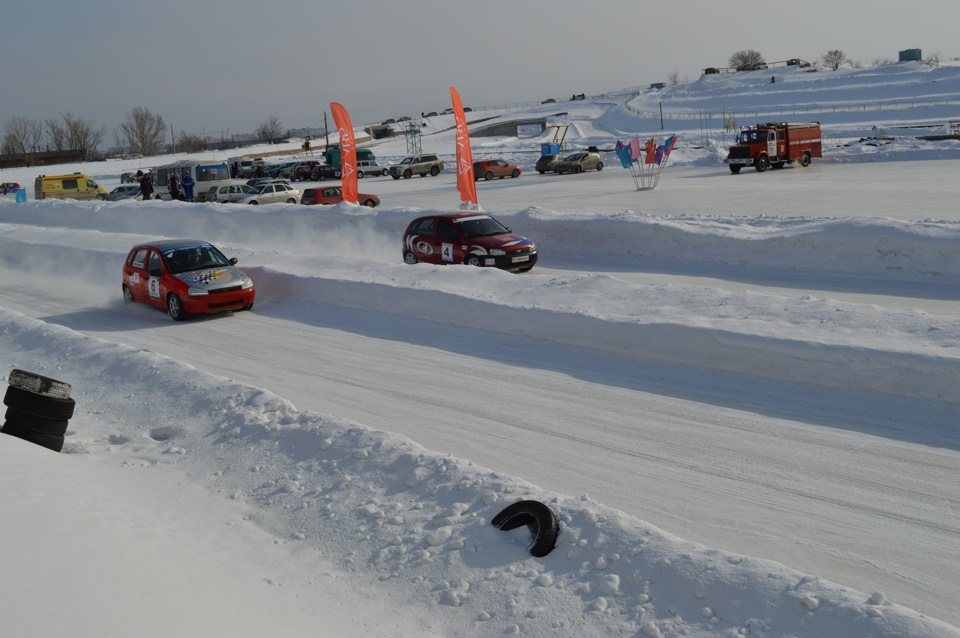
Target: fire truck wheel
<point>762,163</point>
<point>805,159</point>
<point>734,168</point>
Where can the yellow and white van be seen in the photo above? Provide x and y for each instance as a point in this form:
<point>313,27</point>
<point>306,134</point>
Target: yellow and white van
<point>74,186</point>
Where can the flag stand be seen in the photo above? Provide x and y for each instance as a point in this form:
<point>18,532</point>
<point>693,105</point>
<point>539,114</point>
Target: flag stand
<point>645,168</point>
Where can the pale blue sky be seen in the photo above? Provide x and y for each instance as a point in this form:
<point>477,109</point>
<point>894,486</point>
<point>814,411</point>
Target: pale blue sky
<point>218,67</point>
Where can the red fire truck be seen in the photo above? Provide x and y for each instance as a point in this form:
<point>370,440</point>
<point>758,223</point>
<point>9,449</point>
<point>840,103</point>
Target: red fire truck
<point>775,144</point>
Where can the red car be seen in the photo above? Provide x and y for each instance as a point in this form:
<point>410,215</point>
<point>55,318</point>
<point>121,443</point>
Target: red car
<point>334,195</point>
<point>488,169</point>
<point>186,277</point>
<point>468,238</point>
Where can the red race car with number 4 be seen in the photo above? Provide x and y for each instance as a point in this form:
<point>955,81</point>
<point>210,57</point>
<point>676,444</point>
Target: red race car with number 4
<point>185,277</point>
<point>468,238</point>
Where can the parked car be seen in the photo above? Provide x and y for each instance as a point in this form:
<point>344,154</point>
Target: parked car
<point>260,181</point>
<point>128,178</point>
<point>370,167</point>
<point>422,165</point>
<point>334,195</point>
<point>546,163</point>
<point>300,171</point>
<point>228,194</point>
<point>124,191</point>
<point>9,187</point>
<point>185,277</point>
<point>468,238</point>
<point>579,162</point>
<point>325,171</point>
<point>488,169</point>
<point>272,194</point>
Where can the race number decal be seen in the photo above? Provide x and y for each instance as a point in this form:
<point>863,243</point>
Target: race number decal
<point>446,252</point>
<point>154,287</point>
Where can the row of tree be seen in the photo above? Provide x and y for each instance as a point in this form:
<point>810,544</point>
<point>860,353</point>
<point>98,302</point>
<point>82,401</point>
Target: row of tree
<point>143,132</point>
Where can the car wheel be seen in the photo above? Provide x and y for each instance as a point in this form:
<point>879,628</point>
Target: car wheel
<point>396,177</point>
<point>488,176</point>
<point>248,307</point>
<point>254,202</point>
<point>291,201</point>
<point>175,308</point>
<point>370,203</point>
<point>599,166</point>
<point>407,174</point>
<point>434,171</point>
<point>541,172</point>
<point>472,260</point>
<point>515,173</point>
<point>359,174</point>
<point>127,296</point>
<point>409,258</point>
<point>384,173</point>
<point>578,169</point>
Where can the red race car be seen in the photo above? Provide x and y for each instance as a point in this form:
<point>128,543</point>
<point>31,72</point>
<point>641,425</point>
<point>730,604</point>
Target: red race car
<point>185,276</point>
<point>334,195</point>
<point>468,238</point>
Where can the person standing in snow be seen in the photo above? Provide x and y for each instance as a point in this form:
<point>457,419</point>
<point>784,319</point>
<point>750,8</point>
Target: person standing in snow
<point>187,183</point>
<point>146,185</point>
<point>174,186</point>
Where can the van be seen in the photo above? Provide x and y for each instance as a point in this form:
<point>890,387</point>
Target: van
<point>75,186</point>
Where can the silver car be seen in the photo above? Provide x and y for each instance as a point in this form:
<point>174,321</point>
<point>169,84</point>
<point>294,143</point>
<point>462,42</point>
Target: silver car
<point>579,162</point>
<point>273,193</point>
<point>125,191</point>
<point>231,193</point>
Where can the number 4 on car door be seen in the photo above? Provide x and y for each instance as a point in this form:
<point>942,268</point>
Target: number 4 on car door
<point>446,252</point>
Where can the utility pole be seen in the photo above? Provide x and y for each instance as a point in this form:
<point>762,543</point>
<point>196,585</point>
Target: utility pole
<point>326,132</point>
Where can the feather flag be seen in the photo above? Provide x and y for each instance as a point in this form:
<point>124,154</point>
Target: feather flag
<point>658,155</point>
<point>669,144</point>
<point>623,153</point>
<point>466,184</point>
<point>635,150</point>
<point>348,152</point>
<point>651,148</point>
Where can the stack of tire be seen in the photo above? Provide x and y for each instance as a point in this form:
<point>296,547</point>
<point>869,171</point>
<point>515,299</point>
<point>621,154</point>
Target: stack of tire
<point>38,409</point>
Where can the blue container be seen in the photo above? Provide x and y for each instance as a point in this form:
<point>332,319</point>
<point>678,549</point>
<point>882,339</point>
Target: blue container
<point>549,149</point>
<point>21,195</point>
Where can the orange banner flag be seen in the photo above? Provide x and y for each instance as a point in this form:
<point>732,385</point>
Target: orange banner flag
<point>348,152</point>
<point>465,182</point>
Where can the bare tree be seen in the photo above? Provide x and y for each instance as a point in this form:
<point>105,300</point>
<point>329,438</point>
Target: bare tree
<point>881,62</point>
<point>834,58</point>
<point>270,129</point>
<point>73,133</point>
<point>673,78</point>
<point>22,136</point>
<point>190,142</point>
<point>934,59</point>
<point>747,60</point>
<point>143,131</point>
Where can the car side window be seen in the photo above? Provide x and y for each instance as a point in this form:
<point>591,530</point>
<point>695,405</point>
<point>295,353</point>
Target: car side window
<point>153,263</point>
<point>426,227</point>
<point>139,258</point>
<point>445,232</point>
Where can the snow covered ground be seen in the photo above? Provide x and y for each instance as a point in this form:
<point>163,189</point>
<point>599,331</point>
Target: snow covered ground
<point>737,392</point>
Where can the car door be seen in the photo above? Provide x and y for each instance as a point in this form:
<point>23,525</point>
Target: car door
<point>135,274</point>
<point>449,243</point>
<point>155,289</point>
<point>423,242</point>
<point>268,195</point>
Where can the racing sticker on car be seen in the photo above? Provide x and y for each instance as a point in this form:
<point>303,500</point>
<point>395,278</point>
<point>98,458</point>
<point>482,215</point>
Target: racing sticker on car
<point>424,248</point>
<point>153,286</point>
<point>446,252</point>
<point>207,276</point>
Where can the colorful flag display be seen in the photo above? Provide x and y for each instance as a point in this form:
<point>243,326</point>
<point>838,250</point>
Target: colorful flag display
<point>645,163</point>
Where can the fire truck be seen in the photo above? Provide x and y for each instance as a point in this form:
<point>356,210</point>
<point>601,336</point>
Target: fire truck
<point>774,144</point>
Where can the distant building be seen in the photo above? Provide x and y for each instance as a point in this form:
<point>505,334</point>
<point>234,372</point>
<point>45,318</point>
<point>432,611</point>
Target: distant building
<point>910,55</point>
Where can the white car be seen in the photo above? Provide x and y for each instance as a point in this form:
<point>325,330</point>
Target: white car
<point>125,191</point>
<point>271,194</point>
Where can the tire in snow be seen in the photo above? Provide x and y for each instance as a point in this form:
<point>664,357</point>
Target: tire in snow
<point>542,521</point>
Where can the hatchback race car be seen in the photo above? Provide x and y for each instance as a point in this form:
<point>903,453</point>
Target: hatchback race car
<point>186,277</point>
<point>468,238</point>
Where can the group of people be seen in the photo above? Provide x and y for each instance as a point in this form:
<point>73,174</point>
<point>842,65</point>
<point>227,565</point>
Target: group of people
<point>181,189</point>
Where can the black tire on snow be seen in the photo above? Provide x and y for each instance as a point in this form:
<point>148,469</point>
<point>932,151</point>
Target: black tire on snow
<point>53,427</point>
<point>38,405</point>
<point>48,441</point>
<point>542,521</point>
<point>39,384</point>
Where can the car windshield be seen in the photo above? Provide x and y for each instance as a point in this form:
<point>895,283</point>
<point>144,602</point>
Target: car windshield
<point>480,226</point>
<point>188,258</point>
<point>571,158</point>
<point>407,160</point>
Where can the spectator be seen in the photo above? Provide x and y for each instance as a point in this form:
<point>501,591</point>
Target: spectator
<point>174,186</point>
<point>146,185</point>
<point>187,183</point>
